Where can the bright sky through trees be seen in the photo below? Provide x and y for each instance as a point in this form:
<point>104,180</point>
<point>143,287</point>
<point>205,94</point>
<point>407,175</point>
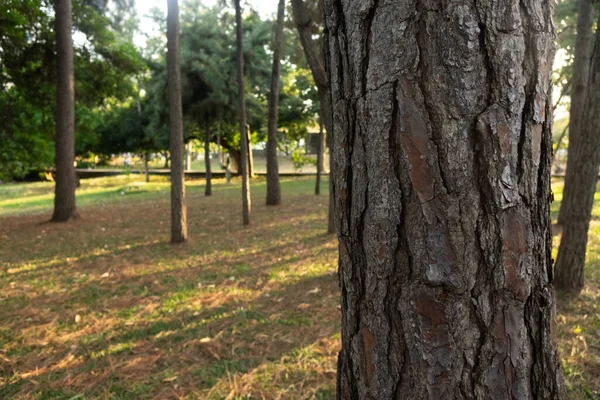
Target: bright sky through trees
<point>265,7</point>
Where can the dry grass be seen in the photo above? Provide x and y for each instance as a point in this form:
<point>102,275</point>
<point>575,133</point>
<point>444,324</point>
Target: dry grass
<point>105,308</point>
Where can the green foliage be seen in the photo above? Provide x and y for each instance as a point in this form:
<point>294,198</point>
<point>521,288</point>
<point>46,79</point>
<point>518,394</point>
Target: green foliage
<point>103,64</point>
<point>300,160</point>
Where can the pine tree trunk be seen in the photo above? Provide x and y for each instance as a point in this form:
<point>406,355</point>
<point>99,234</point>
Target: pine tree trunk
<point>273,187</point>
<point>442,152</point>
<point>208,187</point>
<point>581,73</point>
<point>320,157</point>
<point>66,180</point>
<point>178,204</point>
<point>315,60</point>
<point>582,176</point>
<point>244,159</point>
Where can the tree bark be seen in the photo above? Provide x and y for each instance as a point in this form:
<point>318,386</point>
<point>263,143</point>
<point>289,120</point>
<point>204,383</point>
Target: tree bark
<point>442,152</point>
<point>581,72</point>
<point>66,180</point>
<point>273,186</point>
<point>582,176</point>
<point>208,187</point>
<point>178,204</point>
<point>244,159</point>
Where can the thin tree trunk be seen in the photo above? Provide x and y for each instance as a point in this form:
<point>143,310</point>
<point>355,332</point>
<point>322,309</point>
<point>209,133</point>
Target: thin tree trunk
<point>227,168</point>
<point>243,165</point>
<point>581,73</point>
<point>442,152</point>
<point>66,179</point>
<point>219,142</point>
<point>146,168</point>
<point>250,155</point>
<point>273,186</point>
<point>320,157</point>
<point>582,175</point>
<point>178,204</point>
<point>208,187</point>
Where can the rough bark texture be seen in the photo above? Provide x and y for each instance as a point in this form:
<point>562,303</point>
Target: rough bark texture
<point>320,157</point>
<point>208,187</point>
<point>316,63</point>
<point>582,176</point>
<point>273,187</point>
<point>178,206</point>
<point>66,180</point>
<point>442,150</point>
<point>243,164</point>
<point>581,73</point>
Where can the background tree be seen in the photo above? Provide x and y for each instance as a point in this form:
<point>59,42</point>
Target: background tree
<point>66,179</point>
<point>579,78</point>
<point>246,202</point>
<point>273,187</point>
<point>178,206</point>
<point>103,65</point>
<point>315,60</point>
<point>582,176</point>
<point>442,194</point>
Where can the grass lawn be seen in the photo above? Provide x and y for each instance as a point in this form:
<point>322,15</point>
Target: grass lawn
<point>104,308</point>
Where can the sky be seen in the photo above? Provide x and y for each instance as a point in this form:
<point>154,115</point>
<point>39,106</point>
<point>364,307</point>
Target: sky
<point>265,7</point>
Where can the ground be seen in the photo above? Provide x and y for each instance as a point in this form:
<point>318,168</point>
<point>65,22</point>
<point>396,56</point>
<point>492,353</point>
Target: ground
<point>104,308</point>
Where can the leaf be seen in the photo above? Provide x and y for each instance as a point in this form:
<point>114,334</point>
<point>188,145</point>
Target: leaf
<point>171,379</point>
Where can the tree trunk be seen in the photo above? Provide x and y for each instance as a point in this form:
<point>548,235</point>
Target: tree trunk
<point>320,157</point>
<point>581,73</point>
<point>178,205</point>
<point>315,60</point>
<point>442,152</point>
<point>66,180</point>
<point>208,187</point>
<point>250,155</point>
<point>273,187</point>
<point>146,169</point>
<point>582,176</point>
<point>243,165</point>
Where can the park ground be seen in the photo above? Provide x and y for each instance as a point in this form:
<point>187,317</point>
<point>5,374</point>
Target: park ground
<point>105,308</point>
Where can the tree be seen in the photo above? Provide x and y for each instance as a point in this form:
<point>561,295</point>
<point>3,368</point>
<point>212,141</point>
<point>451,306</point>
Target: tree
<point>582,176</point>
<point>103,64</point>
<point>66,179</point>
<point>246,203</point>
<point>208,187</point>
<point>442,151</point>
<point>273,187</point>
<point>315,61</point>
<point>579,79</point>
<point>178,205</point>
